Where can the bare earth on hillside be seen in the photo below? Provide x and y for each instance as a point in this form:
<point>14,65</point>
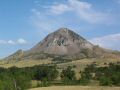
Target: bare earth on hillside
<point>77,88</point>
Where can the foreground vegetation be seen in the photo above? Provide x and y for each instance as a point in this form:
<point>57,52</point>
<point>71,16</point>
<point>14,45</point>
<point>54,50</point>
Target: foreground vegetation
<point>20,78</point>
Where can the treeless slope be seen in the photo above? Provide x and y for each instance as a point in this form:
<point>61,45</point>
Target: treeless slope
<point>62,42</point>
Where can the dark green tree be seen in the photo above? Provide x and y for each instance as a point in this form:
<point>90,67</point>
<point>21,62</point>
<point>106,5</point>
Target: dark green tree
<point>105,81</point>
<point>68,75</point>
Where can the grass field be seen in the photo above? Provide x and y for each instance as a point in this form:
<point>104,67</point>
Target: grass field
<point>24,63</point>
<point>76,88</point>
<point>78,63</point>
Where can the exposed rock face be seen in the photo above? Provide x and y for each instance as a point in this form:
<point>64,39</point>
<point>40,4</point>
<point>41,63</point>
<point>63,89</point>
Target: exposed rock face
<point>62,42</point>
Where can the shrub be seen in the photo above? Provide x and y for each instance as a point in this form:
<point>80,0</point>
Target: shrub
<point>105,81</point>
<point>85,78</point>
<point>68,75</point>
<point>46,72</point>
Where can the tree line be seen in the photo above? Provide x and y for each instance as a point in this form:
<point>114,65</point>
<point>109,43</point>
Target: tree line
<point>20,78</point>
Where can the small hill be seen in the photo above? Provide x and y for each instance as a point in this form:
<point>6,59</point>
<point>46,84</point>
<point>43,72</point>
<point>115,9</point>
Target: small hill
<point>16,56</point>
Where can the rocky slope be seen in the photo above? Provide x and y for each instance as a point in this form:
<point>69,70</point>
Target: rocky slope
<point>62,42</point>
<point>66,43</point>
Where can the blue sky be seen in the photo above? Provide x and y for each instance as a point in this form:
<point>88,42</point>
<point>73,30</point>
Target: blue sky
<point>23,23</point>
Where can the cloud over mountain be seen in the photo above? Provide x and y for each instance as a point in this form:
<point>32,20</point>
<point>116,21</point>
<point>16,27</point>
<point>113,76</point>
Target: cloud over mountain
<point>84,11</point>
<point>109,41</point>
<point>20,41</point>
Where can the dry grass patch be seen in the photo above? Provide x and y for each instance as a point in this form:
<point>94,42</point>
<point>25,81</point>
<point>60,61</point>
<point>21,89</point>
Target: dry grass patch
<point>77,88</point>
<point>25,63</point>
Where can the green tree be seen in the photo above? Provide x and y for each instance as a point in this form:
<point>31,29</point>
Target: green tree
<point>105,81</point>
<point>116,78</point>
<point>46,72</point>
<point>21,81</point>
<point>68,75</point>
<point>85,78</point>
<point>6,82</point>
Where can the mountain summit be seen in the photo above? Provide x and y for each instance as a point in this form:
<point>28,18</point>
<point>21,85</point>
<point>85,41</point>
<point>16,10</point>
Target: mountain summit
<point>62,42</point>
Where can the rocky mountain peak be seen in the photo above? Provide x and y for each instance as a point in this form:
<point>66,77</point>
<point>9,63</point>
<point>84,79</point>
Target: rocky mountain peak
<point>62,42</point>
<point>63,29</point>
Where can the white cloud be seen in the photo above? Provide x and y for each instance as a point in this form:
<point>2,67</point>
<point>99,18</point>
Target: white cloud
<point>72,13</point>
<point>59,8</point>
<point>11,42</point>
<point>21,41</point>
<point>84,11</point>
<point>36,2</point>
<point>109,41</point>
<point>3,42</point>
<point>45,23</point>
<point>70,6</point>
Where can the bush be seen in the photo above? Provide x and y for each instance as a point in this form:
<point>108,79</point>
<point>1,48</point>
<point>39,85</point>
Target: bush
<point>46,72</point>
<point>116,79</point>
<point>105,81</point>
<point>85,78</point>
<point>68,75</point>
<point>84,81</point>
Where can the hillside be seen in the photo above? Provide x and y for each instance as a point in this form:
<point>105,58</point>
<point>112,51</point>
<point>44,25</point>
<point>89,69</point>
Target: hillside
<point>62,42</point>
<point>66,44</point>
